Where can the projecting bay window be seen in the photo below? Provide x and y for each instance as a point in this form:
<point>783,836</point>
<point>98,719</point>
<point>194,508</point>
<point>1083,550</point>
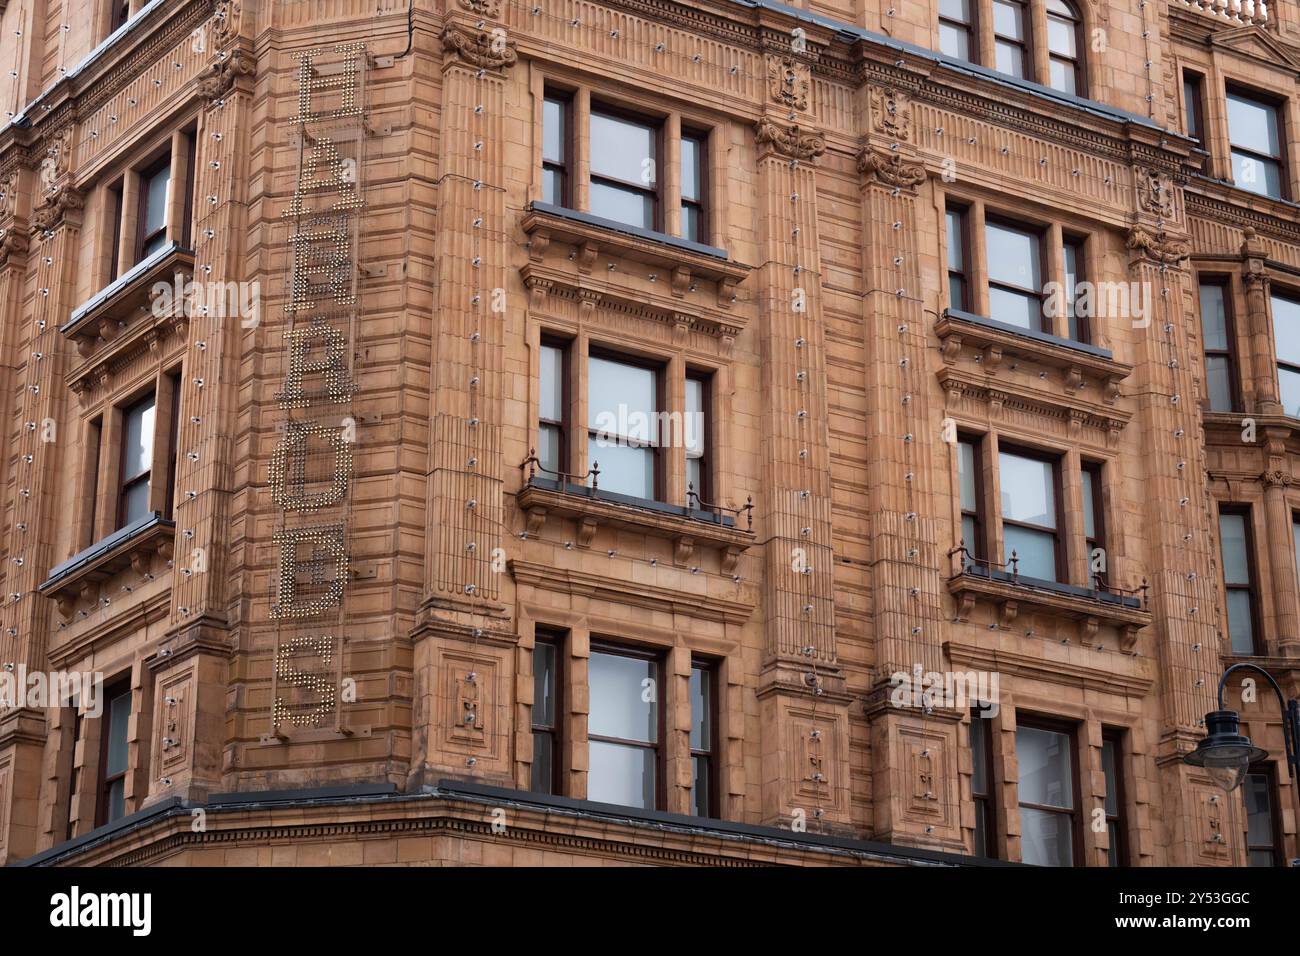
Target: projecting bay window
<point>981,785</point>
<point>546,714</point>
<point>1038,40</point>
<point>1263,830</point>
<point>1286,339</point>
<point>638,167</point>
<point>1217,340</point>
<point>1255,135</point>
<point>1112,763</point>
<point>623,728</point>
<point>1049,830</point>
<point>1030,519</point>
<point>149,207</point>
<point>1236,550</point>
<point>703,690</point>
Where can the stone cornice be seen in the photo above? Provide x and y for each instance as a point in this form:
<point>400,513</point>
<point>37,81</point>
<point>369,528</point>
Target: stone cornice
<point>1202,205</point>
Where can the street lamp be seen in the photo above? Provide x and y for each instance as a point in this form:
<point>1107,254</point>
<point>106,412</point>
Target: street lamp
<point>1226,753</point>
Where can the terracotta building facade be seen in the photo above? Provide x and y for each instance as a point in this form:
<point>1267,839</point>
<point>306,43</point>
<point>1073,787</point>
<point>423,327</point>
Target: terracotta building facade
<point>715,432</point>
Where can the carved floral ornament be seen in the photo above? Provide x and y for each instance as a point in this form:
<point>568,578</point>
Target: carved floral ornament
<point>487,51</point>
<point>891,113</point>
<point>789,81</point>
<point>219,79</point>
<point>225,21</point>
<point>55,208</point>
<point>1155,193</point>
<point>792,141</point>
<point>1158,247</point>
<point>484,8</point>
<point>890,169</point>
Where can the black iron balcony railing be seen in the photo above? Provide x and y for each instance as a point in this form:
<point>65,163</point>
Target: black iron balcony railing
<point>1136,598</point>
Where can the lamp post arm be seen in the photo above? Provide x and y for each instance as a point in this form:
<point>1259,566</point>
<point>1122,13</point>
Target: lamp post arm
<point>1290,714</point>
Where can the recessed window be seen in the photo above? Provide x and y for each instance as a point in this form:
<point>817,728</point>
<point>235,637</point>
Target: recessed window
<point>624,175</point>
<point>552,444</point>
<point>1193,105</point>
<point>1286,337</point>
<point>145,210</point>
<point>623,425</point>
<point>1111,764</point>
<point>1216,336</point>
<point>1063,28</point>
<point>155,193</point>
<point>1236,549</point>
<point>1076,324</point>
<point>555,149</point>
<point>1295,535</point>
<point>956,28</point>
<point>981,785</point>
<point>1010,38</point>
<point>113,755</point>
<point>958,277</point>
<point>1094,527</point>
<point>137,460</point>
<point>546,711</point>
<point>972,500</point>
<point>119,11</point>
<point>1015,268</point>
<point>1047,798</point>
<point>695,437</point>
<point>1029,514</point>
<point>704,800</point>
<point>623,728</point>
<point>693,170</point>
<point>1262,828</point>
<point>1254,131</point>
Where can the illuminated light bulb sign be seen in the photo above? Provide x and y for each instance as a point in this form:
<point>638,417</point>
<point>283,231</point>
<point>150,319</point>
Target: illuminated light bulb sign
<point>311,467</point>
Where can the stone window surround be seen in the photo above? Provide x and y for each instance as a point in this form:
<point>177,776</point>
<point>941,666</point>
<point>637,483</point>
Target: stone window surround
<point>983,47</point>
<point>1069,462</point>
<point>1052,238</point>
<point>673,121</point>
<point>676,364</point>
<point>576,632</point>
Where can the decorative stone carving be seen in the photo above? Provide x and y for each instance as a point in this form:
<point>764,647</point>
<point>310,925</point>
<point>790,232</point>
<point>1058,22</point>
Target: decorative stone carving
<point>891,169</point>
<point>219,79</point>
<point>1155,194</point>
<point>792,141</point>
<point>478,49</point>
<point>225,21</point>
<point>484,8</point>
<point>789,81</point>
<point>12,243</point>
<point>63,204</point>
<point>1160,247</point>
<point>55,164</point>
<point>891,113</point>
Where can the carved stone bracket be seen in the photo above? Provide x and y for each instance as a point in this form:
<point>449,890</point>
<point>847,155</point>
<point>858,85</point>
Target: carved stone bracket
<point>1159,248</point>
<point>793,141</point>
<point>890,169</point>
<point>61,206</point>
<point>477,48</point>
<point>219,79</point>
<point>891,113</point>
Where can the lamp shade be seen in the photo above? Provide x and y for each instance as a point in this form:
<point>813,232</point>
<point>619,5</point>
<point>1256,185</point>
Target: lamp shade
<point>1224,752</point>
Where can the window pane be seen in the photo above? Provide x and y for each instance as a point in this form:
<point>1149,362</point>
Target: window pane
<point>1089,502</point>
<point>618,686</point>
<point>1028,489</point>
<point>969,534</point>
<point>1061,37</point>
<point>701,795</point>
<point>553,187</point>
<point>137,439</point>
<point>543,769</point>
<point>1259,810</point>
<point>119,713</point>
<point>116,800</point>
<point>956,245</point>
<point>544,675</point>
<point>622,149</point>
<point>548,448</point>
<point>1295,534</point>
<point>966,476</point>
<point>979,755</point>
<point>954,41</point>
<point>135,502</point>
<point>692,223</point>
<point>1061,8</point>
<point>1010,59</point>
<point>551,370</point>
<point>1013,256</point>
<point>1046,838</point>
<point>692,152</point>
<point>623,205</point>
<point>1289,391</point>
<point>701,709</point>
<point>1046,775</point>
<point>955,10</point>
<point>1191,106</point>
<point>624,469</point>
<point>1073,256</point>
<point>1214,317</point>
<point>1112,787</point>
<point>694,425</point>
<point>1263,176</point>
<point>1218,382</point>
<point>1035,551</point>
<point>1286,329</point>
<point>621,400</point>
<point>956,292</point>
<point>156,189</point>
<point>1253,125</point>
<point>621,774</point>
<point>1008,19</point>
<point>553,130</point>
<point>1063,76</point>
<point>1232,534</point>
<point>1112,850</point>
<point>1241,627</point>
<point>1015,308</point>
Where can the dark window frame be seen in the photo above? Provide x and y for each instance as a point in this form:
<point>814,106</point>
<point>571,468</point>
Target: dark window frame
<point>700,203</point>
<point>1194,110</point>
<point>1292,295</point>
<point>111,691</point>
<point>1245,512</point>
<point>565,348</point>
<point>126,482</point>
<point>705,491</point>
<point>1097,470</point>
<point>144,174</point>
<point>976,548</point>
<point>1225,284</point>
<point>1076,62</point>
<point>962,214</point>
<point>1268,770</point>
<point>555,639</point>
<point>1117,855</point>
<point>567,140</point>
<point>1082,324</point>
<point>713,669</point>
<point>660,369</point>
<point>985,806</point>
<point>1278,106</point>
<point>1055,459</point>
<point>604,645</point>
<point>971,28</point>
<point>1024,43</point>
<point>1070,730</point>
<point>1041,233</point>
<point>601,107</point>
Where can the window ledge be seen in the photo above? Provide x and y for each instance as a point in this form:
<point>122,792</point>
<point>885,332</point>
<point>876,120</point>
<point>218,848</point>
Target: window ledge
<point>681,259</point>
<point>133,546</point>
<point>1091,607</point>
<point>591,508</point>
<point>106,312</point>
<point>994,340</point>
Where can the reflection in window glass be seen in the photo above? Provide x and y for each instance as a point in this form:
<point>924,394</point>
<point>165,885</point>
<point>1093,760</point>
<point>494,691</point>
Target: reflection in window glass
<point>1256,144</point>
<point>1046,787</point>
<point>1218,349</point>
<point>623,425</point>
<point>1234,545</point>
<point>623,729</point>
<point>1028,488</point>
<point>1286,337</point>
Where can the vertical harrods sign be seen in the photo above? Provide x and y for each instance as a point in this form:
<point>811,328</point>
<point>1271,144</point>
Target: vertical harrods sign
<point>311,467</point>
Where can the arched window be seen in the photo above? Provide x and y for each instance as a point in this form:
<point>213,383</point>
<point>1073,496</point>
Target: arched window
<point>1064,26</point>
